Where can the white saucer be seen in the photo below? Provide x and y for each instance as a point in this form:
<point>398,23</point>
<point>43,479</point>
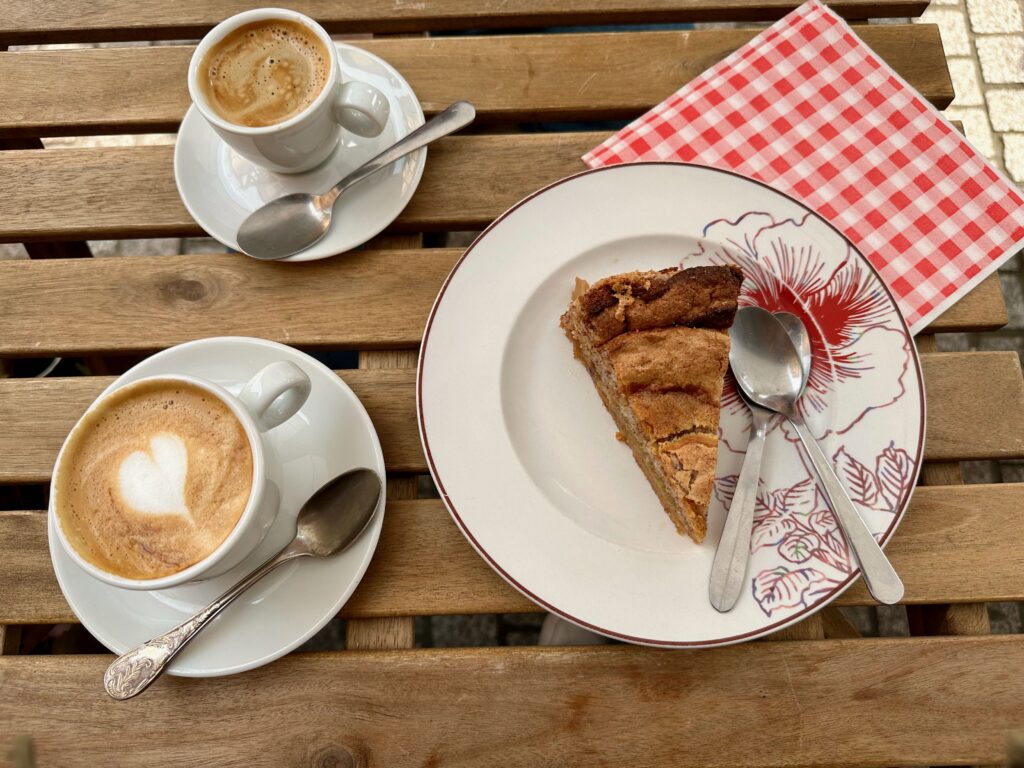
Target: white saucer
<point>331,434</point>
<point>220,188</point>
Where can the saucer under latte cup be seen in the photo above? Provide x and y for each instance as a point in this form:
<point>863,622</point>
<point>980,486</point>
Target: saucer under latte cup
<point>270,398</point>
<point>306,139</point>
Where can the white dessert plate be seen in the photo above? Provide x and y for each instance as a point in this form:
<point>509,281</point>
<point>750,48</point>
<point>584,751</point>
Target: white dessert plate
<point>524,453</point>
<point>331,433</point>
<point>221,188</point>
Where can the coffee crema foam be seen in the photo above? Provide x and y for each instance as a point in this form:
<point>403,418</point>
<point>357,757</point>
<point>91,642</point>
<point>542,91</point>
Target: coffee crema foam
<point>153,480</point>
<point>265,72</point>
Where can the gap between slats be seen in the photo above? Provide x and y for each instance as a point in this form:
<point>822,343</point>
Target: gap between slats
<point>956,544</point>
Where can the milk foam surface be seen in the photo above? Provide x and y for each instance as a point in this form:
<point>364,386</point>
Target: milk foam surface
<point>265,72</point>
<point>153,480</point>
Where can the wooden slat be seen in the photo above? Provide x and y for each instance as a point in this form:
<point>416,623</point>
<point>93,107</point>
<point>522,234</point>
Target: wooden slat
<point>37,414</point>
<point>983,309</point>
<point>577,76</point>
<point>974,393</point>
<point>362,299</point>
<point>836,703</point>
<point>957,544</point>
<point>371,298</point>
<point>28,21</point>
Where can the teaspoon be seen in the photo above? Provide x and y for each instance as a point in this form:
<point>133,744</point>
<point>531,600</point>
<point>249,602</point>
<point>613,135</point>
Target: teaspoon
<point>767,368</point>
<point>292,223</point>
<point>730,564</point>
<point>329,522</point>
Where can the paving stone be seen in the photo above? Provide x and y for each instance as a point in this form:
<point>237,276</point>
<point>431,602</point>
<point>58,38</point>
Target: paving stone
<point>151,247</point>
<point>1001,57</point>
<point>425,488</point>
<point>1013,293</point>
<point>202,245</point>
<point>978,472</point>
<point>1013,155</point>
<point>892,621</point>
<point>952,28</point>
<point>1012,471</point>
<point>129,140</point>
<point>1006,108</point>
<point>1005,618</point>
<point>966,83</point>
<point>1012,264</point>
<point>976,128</point>
<point>995,16</point>
<point>953,342</point>
<point>458,631</point>
<point>10,251</point>
<point>864,618</point>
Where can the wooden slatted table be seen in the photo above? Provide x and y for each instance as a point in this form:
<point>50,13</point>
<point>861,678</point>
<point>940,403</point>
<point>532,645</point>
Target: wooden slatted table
<point>829,697</point>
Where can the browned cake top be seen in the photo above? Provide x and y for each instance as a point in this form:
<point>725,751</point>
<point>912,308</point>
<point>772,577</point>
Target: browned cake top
<point>698,296</point>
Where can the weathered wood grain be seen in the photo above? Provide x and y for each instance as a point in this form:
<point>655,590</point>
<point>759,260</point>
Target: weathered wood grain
<point>28,21</point>
<point>37,414</point>
<point>362,299</point>
<point>371,298</point>
<point>515,78</point>
<point>957,544</point>
<point>870,702</point>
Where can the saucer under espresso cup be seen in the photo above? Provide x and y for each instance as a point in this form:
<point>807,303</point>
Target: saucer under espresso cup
<point>300,141</point>
<point>220,187</point>
<point>272,396</point>
<point>329,434</point>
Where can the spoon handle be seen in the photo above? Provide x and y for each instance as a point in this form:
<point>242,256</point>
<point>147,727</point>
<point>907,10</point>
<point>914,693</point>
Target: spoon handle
<point>733,553</point>
<point>880,577</point>
<point>132,672</point>
<point>458,115</point>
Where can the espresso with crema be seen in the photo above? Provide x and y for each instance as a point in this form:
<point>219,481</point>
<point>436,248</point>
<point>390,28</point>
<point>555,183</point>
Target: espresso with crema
<point>264,73</point>
<point>153,480</point>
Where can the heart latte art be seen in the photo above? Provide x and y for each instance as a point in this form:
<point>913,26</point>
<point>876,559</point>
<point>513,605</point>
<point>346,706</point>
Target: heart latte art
<point>154,479</point>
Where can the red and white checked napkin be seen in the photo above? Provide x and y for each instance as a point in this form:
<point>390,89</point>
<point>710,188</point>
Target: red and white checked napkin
<point>808,108</point>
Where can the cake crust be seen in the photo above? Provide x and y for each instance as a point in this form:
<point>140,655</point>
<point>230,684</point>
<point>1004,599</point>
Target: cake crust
<point>657,347</point>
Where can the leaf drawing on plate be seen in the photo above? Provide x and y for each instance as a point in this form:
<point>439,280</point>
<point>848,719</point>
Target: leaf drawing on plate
<point>799,546</point>
<point>859,480</point>
<point>725,489</point>
<point>781,588</point>
<point>893,470</point>
<point>770,531</point>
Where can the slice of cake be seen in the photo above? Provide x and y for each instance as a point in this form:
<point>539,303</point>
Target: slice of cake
<point>657,346</point>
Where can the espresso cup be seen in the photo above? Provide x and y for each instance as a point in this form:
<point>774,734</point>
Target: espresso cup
<point>303,140</point>
<point>270,398</point>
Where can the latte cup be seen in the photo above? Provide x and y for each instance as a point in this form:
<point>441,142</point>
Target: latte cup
<point>270,398</point>
<point>305,140</point>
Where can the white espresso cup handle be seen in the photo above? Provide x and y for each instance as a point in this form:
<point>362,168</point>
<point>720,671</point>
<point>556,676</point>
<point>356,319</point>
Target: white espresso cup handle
<point>275,394</point>
<point>361,109</point>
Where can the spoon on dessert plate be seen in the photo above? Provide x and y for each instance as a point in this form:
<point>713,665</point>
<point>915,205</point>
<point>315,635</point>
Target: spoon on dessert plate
<point>766,366</point>
<point>730,564</point>
<point>292,223</point>
<point>329,522</point>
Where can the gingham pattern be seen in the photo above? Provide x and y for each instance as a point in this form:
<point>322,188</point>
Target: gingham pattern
<point>808,108</point>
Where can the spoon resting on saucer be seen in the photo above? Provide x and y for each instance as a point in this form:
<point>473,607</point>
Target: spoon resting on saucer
<point>329,522</point>
<point>292,223</point>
